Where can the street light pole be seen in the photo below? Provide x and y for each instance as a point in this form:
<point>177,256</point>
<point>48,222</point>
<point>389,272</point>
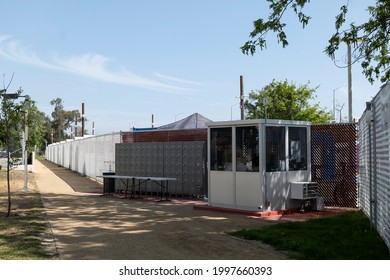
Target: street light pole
<point>334,106</point>
<point>231,111</point>
<point>334,102</point>
<point>242,97</point>
<point>25,143</point>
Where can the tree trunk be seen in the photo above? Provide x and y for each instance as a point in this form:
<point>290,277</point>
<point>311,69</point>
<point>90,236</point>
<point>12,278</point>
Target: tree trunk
<point>9,189</point>
<point>8,168</point>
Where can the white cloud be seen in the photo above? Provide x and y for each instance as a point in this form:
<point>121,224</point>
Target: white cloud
<point>174,79</point>
<point>94,66</point>
<point>12,50</point>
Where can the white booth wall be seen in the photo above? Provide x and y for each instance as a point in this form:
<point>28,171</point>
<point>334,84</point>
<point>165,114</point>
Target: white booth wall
<point>252,163</point>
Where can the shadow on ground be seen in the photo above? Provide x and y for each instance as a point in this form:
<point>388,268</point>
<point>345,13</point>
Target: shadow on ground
<point>89,226</point>
<point>96,227</point>
<point>75,180</point>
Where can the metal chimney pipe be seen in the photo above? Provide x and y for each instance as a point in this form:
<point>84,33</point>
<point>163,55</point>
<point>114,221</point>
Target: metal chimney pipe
<point>242,97</point>
<point>82,119</point>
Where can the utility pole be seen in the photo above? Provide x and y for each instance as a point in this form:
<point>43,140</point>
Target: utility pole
<point>349,83</point>
<point>152,120</point>
<point>82,119</point>
<point>242,97</point>
<point>27,99</point>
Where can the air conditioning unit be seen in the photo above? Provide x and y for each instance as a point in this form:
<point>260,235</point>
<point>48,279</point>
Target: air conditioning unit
<point>303,190</point>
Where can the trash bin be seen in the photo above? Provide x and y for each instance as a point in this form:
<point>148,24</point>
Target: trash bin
<point>108,183</point>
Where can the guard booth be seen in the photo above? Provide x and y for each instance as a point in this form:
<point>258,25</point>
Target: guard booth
<point>252,163</point>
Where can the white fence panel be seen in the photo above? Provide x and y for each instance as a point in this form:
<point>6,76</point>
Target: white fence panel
<point>88,156</point>
<point>374,161</point>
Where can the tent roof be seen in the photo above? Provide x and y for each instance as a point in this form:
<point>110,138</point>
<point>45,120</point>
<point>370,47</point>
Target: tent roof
<point>194,121</point>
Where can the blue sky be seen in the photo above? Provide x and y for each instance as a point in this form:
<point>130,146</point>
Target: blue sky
<point>127,60</point>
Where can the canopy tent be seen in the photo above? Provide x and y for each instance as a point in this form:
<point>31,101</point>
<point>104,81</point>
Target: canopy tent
<point>194,121</point>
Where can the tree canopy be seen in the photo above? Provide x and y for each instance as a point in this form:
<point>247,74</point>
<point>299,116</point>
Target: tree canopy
<point>62,119</point>
<point>369,40</point>
<point>285,101</point>
<point>11,121</point>
<point>40,126</point>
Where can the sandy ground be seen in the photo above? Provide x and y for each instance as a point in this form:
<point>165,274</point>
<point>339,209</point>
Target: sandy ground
<point>88,226</point>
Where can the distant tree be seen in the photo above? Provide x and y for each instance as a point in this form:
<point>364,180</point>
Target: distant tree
<point>39,128</point>
<point>285,101</point>
<point>370,40</point>
<point>62,119</point>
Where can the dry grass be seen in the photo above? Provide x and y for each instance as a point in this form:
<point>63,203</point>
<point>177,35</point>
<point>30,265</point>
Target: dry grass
<point>25,233</point>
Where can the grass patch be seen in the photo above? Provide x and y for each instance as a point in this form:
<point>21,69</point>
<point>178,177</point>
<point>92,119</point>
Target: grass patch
<point>346,236</point>
<point>23,233</point>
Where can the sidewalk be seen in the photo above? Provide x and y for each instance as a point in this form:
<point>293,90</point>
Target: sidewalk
<point>87,226</point>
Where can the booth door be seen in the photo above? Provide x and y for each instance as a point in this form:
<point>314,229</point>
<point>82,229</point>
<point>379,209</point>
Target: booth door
<point>286,161</point>
<point>247,180</point>
<point>221,176</point>
<point>275,188</point>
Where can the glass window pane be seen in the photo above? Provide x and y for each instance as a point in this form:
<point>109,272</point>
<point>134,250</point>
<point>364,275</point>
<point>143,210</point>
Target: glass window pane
<point>221,149</point>
<point>275,148</point>
<point>297,148</point>
<point>247,149</point>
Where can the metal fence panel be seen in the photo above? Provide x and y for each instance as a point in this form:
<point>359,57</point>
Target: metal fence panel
<point>374,162</point>
<point>88,156</point>
<point>334,163</point>
<point>165,136</point>
<point>184,161</point>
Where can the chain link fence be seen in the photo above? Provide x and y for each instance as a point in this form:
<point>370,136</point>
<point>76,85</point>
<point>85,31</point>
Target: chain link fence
<point>334,163</point>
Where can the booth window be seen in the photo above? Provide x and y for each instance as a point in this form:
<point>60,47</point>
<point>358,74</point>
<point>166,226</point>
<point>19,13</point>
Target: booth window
<point>297,146</point>
<point>275,148</point>
<point>221,149</point>
<point>247,149</point>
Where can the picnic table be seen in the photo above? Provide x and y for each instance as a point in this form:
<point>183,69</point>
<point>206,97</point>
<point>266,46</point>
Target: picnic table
<point>131,182</point>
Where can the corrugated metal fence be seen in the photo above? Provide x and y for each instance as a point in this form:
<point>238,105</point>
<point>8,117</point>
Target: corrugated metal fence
<point>165,135</point>
<point>88,156</point>
<point>156,153</point>
<point>374,162</point>
<point>186,161</point>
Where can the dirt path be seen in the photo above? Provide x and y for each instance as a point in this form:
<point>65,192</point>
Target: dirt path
<point>87,226</point>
